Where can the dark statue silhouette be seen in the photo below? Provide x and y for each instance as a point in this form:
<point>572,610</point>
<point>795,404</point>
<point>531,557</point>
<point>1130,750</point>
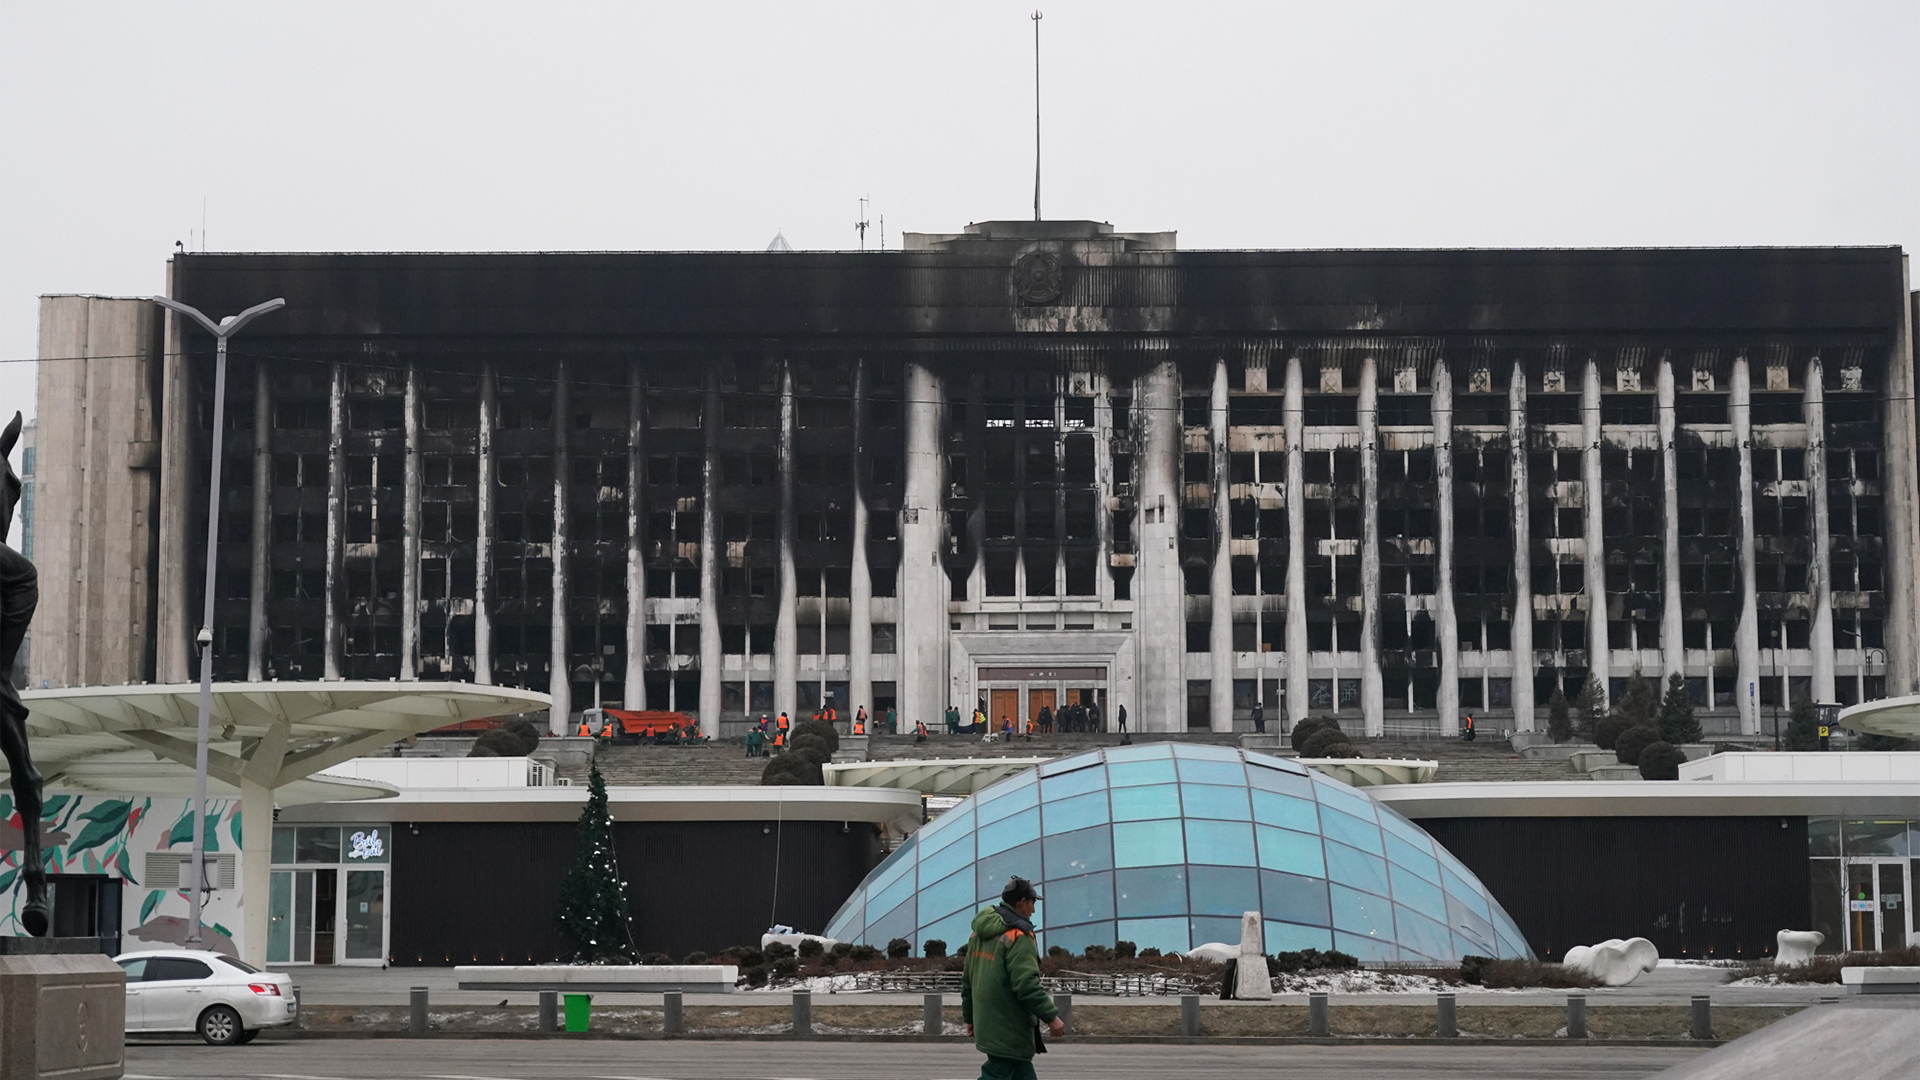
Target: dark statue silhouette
<point>19,594</point>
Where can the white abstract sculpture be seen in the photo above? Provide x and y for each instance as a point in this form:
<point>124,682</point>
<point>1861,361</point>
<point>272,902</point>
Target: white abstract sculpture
<point>1250,979</point>
<point>795,940</point>
<point>1216,951</point>
<point>1796,946</point>
<point>1614,962</point>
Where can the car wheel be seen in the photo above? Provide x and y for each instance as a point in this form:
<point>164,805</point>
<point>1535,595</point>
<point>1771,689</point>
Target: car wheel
<point>221,1026</point>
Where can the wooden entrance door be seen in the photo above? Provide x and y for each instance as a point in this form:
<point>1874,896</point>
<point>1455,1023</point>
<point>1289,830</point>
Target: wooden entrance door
<point>1002,703</point>
<point>1038,699</point>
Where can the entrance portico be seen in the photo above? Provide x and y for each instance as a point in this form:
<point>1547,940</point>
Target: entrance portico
<point>1012,674</point>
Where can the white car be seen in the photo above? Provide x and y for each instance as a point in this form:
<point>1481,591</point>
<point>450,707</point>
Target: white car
<point>224,1000</point>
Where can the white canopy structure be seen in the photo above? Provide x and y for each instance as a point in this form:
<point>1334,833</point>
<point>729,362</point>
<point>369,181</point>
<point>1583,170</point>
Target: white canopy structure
<point>268,739</point>
<point>1895,716</point>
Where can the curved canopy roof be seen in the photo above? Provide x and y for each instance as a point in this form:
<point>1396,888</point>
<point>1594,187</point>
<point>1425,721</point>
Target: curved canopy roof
<point>1895,716</point>
<point>274,734</point>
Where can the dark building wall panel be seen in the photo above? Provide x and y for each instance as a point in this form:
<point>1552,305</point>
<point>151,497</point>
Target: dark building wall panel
<point>485,893</point>
<point>1695,887</point>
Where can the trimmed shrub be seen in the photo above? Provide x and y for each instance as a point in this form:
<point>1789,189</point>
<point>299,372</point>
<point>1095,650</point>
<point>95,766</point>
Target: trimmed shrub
<point>792,769</point>
<point>1125,950</point>
<point>1473,969</point>
<point>1607,730</point>
<point>864,953</point>
<point>1661,761</point>
<point>1633,740</point>
<point>656,959</point>
<point>1677,722</point>
<point>1341,749</point>
<point>787,968</point>
<point>1098,952</point>
<point>746,956</point>
<point>933,948</point>
<point>821,730</point>
<point>811,747</point>
<point>696,958</point>
<point>1058,952</point>
<point>1304,730</point>
<point>810,948</point>
<point>1315,745</point>
<point>899,949</point>
<point>841,948</point>
<point>1149,953</point>
<point>779,951</point>
<point>1291,963</point>
<point>755,976</point>
<point>1559,718</point>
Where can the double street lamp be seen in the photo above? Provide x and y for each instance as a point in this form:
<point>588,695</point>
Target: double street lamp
<point>221,331</point>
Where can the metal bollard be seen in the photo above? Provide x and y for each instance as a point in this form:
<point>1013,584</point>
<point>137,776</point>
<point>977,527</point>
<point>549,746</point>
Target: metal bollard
<point>417,1011</point>
<point>1576,1016</point>
<point>1317,1025</point>
<point>1063,1004</point>
<point>674,1019</point>
<point>549,1011</point>
<point>802,1013</point>
<point>1190,1015</point>
<point>1447,1025</point>
<point>1702,1017</point>
<point>933,1016</point>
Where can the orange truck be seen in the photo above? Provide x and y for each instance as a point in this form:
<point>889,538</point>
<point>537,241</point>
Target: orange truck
<point>621,725</point>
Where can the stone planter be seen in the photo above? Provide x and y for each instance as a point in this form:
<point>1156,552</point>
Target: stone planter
<point>605,978</point>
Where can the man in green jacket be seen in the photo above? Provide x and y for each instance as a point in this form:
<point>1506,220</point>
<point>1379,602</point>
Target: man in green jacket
<point>1000,997</point>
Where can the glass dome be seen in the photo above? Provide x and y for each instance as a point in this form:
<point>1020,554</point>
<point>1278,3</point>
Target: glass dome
<point>1166,844</point>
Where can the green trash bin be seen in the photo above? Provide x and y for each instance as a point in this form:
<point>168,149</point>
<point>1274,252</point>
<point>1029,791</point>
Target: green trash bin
<point>577,1007</point>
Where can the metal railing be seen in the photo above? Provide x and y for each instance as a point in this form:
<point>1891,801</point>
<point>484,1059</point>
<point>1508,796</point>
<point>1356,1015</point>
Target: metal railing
<point>948,982</point>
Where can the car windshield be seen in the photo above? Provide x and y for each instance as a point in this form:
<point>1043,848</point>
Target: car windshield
<point>241,964</point>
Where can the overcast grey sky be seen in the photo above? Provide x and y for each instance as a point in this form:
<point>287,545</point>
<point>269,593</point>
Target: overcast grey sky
<point>474,126</point>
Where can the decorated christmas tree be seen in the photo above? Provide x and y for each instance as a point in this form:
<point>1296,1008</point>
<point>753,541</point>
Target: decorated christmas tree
<point>593,898</point>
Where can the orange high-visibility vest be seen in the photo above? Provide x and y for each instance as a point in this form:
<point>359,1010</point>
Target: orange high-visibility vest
<point>859,726</point>
<point>783,721</point>
<point>584,730</point>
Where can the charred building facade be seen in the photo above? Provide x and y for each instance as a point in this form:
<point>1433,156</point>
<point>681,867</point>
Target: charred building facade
<point>1037,462</point>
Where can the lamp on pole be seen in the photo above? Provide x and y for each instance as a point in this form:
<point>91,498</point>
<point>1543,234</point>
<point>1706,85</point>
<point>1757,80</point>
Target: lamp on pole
<point>221,331</point>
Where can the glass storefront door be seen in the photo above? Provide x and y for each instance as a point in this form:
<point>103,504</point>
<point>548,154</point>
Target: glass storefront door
<point>330,905</point>
<point>1878,915</point>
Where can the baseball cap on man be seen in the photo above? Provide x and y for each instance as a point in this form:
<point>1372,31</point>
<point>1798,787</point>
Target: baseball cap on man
<point>1018,889</point>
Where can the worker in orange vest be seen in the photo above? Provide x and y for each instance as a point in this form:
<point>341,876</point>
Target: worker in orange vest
<point>1030,726</point>
<point>860,722</point>
<point>782,735</point>
<point>585,731</point>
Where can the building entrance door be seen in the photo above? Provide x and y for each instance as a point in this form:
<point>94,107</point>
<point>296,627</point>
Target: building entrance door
<point>1038,698</point>
<point>1878,915</point>
<point>1003,704</point>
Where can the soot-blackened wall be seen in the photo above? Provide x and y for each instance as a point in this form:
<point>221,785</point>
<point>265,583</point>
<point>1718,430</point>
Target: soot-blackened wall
<point>485,892</point>
<point>1695,887</point>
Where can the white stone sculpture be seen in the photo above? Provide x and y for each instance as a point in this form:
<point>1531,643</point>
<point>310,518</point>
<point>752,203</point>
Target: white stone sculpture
<point>795,939</point>
<point>1216,951</point>
<point>1250,979</point>
<point>1614,962</point>
<point>1796,946</point>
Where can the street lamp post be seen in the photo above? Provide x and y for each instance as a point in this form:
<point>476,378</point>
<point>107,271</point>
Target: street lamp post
<point>221,331</point>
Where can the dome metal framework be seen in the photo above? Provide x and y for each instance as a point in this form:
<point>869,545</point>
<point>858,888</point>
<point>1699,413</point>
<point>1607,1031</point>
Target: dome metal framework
<point>1166,844</point>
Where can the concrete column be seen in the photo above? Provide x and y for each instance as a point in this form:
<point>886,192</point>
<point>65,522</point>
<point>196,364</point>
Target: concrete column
<point>262,517</point>
<point>173,630</point>
<point>1372,693</point>
<point>1448,699</point>
<point>924,685</point>
<point>559,684</point>
<point>633,694</point>
<point>1820,566</point>
<point>1159,606</point>
<point>1902,574</point>
<point>1746,633</point>
<point>256,869</point>
<point>1103,483</point>
<point>410,538</point>
<point>710,662</point>
<point>336,519</point>
<point>1599,659</point>
<point>860,622</point>
<point>483,533</point>
<point>1672,654</point>
<point>786,661</point>
<point>1296,547</point>
<point>1220,586</point>
<point>1522,631</point>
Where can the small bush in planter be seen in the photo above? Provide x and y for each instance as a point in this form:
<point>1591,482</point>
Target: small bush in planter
<point>1149,953</point>
<point>1315,745</point>
<point>864,953</point>
<point>841,949</point>
<point>779,951</point>
<point>1125,950</point>
<point>755,976</point>
<point>1342,749</point>
<point>696,958</point>
<point>810,948</point>
<point>1661,761</point>
<point>1473,969</point>
<point>1633,740</point>
<point>899,949</point>
<point>1305,729</point>
<point>1099,952</point>
<point>1057,952</point>
<point>746,957</point>
<point>656,959</point>
<point>933,948</point>
<point>786,968</point>
<point>1607,729</point>
<point>829,960</point>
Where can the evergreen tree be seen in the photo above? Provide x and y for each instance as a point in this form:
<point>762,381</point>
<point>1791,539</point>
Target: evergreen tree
<point>1559,724</point>
<point>1677,723</point>
<point>1589,707</point>
<point>1639,705</point>
<point>1803,727</point>
<point>593,899</point>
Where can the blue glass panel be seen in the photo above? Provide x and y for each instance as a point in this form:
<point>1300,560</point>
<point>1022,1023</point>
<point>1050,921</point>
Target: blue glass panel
<point>1292,898</point>
<point>1214,801</point>
<point>1465,891</point>
<point>1069,764</point>
<point>1358,869</point>
<point>954,929</point>
<point>1226,843</point>
<point>1512,941</point>
<point>1150,771</point>
<point>1422,935</point>
<point>1078,782</point>
<point>1139,752</point>
<point>1223,890</point>
<point>1285,783</point>
<point>885,899</point>
<point>1159,891</point>
<point>953,825</point>
<point>1391,821</point>
<point>898,923</point>
<point>1001,789</point>
<point>1075,939</point>
<point>1013,831</point>
<point>1274,764</point>
<point>1205,752</point>
<point>1214,928</point>
<point>1080,899</point>
<point>1349,830</point>
<point>1012,803</point>
<point>1473,927</point>
<point>1080,852</point>
<point>1343,798</point>
<point>1417,892</point>
<point>938,864</point>
<point>1287,937</point>
<point>1466,946</point>
<point>1147,843</point>
<point>1141,803</point>
<point>992,871</point>
<point>1415,859</point>
<point>950,894</point>
<point>1287,812</point>
<point>1211,772</point>
<point>1365,948</point>
<point>1359,913</point>
<point>900,862</point>
<point>846,923</point>
<point>1294,852</point>
<point>1075,813</point>
<point>1167,935</point>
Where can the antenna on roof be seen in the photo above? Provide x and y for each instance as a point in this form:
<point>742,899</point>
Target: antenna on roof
<point>1037,16</point>
<point>861,225</point>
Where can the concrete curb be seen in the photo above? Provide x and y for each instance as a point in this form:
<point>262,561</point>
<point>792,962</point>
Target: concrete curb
<point>1464,1039</point>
